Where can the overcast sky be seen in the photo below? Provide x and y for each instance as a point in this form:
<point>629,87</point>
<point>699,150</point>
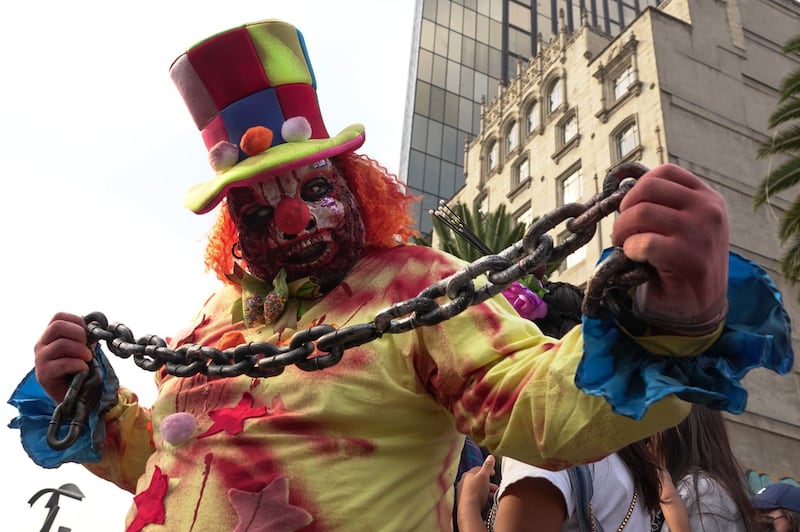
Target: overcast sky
<point>98,150</point>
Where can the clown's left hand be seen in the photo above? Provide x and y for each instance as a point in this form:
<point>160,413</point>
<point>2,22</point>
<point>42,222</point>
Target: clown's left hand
<point>679,225</point>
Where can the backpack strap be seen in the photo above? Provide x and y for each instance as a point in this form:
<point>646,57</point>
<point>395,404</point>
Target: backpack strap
<point>580,477</point>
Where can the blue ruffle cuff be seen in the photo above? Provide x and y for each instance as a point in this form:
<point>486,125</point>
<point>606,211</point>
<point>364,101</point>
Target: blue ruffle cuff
<point>756,334</point>
<point>36,409</point>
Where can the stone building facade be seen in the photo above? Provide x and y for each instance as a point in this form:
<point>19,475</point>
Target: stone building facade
<point>691,82</point>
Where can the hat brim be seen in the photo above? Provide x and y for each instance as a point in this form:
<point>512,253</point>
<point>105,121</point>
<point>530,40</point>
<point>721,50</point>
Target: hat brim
<point>203,197</point>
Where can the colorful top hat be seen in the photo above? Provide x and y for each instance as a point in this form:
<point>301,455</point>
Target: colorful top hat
<point>252,94</point>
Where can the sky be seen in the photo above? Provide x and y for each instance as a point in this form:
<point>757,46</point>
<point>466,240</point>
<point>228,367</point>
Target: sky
<point>98,150</point>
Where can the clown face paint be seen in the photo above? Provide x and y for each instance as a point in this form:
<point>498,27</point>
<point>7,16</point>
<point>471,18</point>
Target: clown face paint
<point>306,221</point>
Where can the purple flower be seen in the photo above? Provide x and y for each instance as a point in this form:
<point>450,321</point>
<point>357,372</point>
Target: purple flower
<point>525,301</point>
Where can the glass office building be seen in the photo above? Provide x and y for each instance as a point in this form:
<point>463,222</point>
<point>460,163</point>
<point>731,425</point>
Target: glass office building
<point>462,51</point>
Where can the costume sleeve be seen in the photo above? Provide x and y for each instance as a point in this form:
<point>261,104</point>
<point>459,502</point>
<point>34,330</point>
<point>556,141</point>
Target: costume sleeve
<point>128,442</point>
<point>513,390</point>
<point>117,429</point>
<point>633,373</point>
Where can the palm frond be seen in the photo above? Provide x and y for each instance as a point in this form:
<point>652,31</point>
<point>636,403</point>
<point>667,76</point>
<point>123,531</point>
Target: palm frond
<point>784,177</point>
<point>790,222</point>
<point>786,141</point>
<point>786,112</point>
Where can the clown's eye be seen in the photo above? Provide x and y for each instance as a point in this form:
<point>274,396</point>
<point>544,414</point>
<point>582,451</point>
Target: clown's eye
<point>316,188</point>
<point>257,217</point>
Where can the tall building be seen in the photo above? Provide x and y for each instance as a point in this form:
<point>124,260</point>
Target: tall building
<point>463,51</point>
<point>691,82</point>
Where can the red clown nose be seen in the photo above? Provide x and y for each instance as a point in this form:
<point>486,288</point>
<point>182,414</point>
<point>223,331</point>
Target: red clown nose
<point>291,216</point>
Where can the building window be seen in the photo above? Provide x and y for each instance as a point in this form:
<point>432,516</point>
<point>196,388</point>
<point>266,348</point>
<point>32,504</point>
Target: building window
<point>521,173</point>
<point>512,137</point>
<point>574,258</point>
<point>627,140</point>
<point>492,157</point>
<point>571,187</point>
<point>482,203</point>
<point>619,79</point>
<point>555,96</point>
<point>567,135</point>
<point>525,216</point>
<point>533,119</point>
<point>621,83</point>
<point>569,128</point>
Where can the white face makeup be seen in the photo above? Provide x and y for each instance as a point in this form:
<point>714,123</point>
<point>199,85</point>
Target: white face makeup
<point>305,221</point>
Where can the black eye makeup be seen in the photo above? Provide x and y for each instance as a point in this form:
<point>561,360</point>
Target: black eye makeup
<point>257,217</point>
<point>316,188</point>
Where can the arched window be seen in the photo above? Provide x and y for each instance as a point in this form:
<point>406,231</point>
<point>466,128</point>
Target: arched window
<point>492,156</point>
<point>555,96</point>
<point>532,118</point>
<point>512,137</point>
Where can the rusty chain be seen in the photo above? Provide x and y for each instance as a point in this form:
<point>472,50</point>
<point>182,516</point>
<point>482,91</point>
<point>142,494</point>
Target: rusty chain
<point>604,291</point>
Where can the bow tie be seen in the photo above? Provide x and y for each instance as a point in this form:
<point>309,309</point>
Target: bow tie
<point>264,303</point>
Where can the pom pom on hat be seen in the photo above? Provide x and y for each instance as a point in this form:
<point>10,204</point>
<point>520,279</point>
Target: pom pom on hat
<point>296,129</point>
<point>223,155</point>
<point>256,139</point>
<point>178,428</point>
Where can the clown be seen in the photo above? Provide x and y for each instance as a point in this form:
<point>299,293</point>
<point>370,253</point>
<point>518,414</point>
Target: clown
<point>308,232</point>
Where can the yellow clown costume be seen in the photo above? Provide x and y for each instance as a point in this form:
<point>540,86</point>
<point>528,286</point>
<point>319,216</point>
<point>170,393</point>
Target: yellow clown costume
<point>373,442</point>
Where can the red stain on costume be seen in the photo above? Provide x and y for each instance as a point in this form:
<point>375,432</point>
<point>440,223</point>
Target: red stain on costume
<point>252,469</point>
<point>322,443</point>
<point>208,458</point>
<point>231,420</point>
<point>150,502</point>
<point>484,397</point>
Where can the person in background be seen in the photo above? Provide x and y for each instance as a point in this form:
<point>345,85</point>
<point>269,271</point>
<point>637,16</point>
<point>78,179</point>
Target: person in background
<point>621,491</point>
<point>778,507</point>
<point>310,234</point>
<point>702,479</point>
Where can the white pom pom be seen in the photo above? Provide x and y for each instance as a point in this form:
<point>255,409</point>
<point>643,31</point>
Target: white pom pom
<point>223,155</point>
<point>296,129</point>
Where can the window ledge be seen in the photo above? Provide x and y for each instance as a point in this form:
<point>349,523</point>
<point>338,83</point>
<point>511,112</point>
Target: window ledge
<point>633,155</point>
<point>635,89</point>
<point>524,184</point>
<point>562,150</point>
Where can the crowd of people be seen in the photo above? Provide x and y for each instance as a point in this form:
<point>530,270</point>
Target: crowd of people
<point>310,234</point>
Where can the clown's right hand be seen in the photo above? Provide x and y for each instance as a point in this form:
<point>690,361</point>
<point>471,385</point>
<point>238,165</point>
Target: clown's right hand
<point>60,353</point>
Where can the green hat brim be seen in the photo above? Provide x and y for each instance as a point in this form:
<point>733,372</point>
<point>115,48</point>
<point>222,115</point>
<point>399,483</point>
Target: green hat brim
<point>277,160</point>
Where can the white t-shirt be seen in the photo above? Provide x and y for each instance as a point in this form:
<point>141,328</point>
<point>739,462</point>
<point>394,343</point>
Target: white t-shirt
<point>716,511</point>
<point>612,492</point>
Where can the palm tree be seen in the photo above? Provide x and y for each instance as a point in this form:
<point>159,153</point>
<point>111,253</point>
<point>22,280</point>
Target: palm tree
<point>785,142</point>
<point>471,234</point>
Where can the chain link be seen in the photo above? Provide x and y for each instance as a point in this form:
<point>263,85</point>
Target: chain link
<point>259,359</point>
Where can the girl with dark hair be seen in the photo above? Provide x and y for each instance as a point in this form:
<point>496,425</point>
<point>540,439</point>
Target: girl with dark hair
<point>702,478</point>
<point>619,492</point>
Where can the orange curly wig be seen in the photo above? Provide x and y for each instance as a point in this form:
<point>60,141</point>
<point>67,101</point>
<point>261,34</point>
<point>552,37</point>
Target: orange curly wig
<point>383,201</point>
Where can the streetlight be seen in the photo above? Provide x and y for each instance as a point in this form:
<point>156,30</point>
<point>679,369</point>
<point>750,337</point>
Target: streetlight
<point>70,490</point>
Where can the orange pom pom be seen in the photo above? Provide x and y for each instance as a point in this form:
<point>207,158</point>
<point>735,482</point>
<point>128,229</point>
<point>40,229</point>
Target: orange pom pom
<point>255,140</point>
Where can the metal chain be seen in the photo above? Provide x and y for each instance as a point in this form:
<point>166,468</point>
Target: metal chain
<point>260,359</point>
